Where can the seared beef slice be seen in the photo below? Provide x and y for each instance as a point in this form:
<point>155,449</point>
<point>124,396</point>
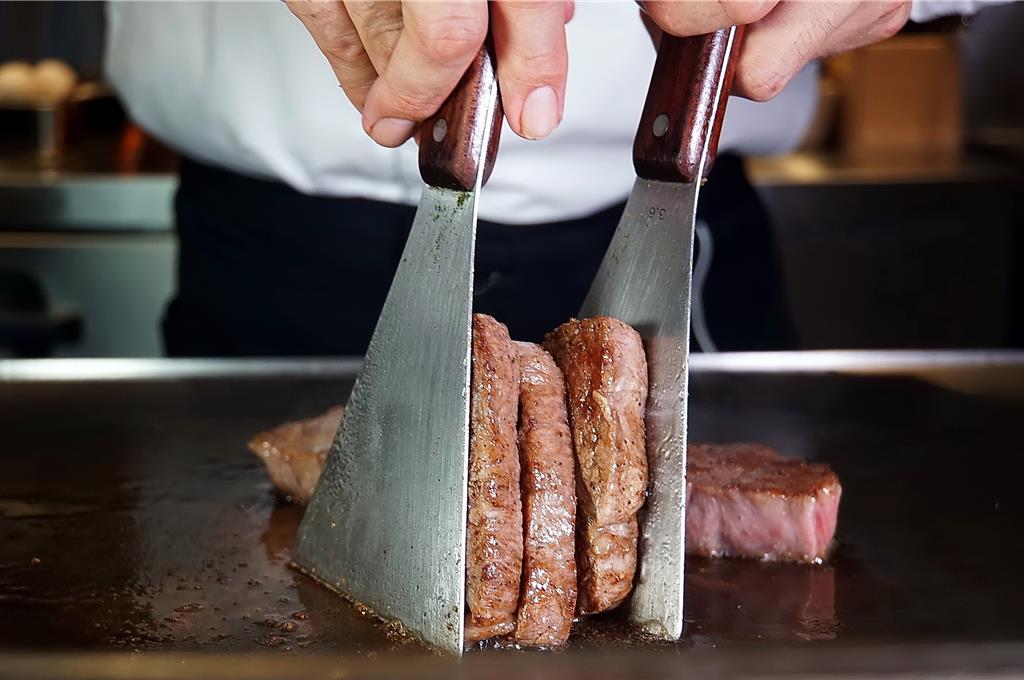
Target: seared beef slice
<point>294,453</point>
<point>494,541</point>
<point>548,597</point>
<point>606,379</point>
<point>747,500</point>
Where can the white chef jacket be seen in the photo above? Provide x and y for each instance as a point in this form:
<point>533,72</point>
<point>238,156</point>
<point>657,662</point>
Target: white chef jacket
<point>242,85</point>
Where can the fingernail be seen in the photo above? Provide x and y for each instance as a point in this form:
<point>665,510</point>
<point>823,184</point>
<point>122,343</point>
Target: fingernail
<point>540,113</point>
<point>392,131</point>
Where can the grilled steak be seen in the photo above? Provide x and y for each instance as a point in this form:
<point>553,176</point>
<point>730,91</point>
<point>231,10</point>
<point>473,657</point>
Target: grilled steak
<point>475,633</point>
<point>747,500</point>
<point>606,560</point>
<point>494,541</point>
<point>606,378</point>
<point>548,484</point>
<point>294,453</point>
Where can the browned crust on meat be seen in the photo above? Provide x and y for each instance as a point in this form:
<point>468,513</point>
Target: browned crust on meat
<point>748,500</point>
<point>294,452</point>
<point>494,542</point>
<point>606,558</point>
<point>548,597</point>
<point>475,632</point>
<point>606,376</point>
<point>606,379</point>
<point>755,468</point>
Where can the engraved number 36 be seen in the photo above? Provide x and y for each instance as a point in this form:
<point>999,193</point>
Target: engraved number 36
<point>656,213</point>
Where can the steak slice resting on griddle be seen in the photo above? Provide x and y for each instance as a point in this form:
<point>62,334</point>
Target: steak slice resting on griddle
<point>294,453</point>
<point>748,500</point>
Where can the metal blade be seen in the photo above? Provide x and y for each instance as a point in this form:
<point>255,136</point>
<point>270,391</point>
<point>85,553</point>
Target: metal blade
<point>387,524</point>
<point>644,280</point>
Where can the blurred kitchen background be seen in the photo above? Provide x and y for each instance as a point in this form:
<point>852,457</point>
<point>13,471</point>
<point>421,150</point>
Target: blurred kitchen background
<point>900,220</point>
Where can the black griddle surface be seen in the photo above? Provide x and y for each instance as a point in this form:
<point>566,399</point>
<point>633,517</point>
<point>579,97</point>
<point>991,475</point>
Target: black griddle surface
<point>133,517</point>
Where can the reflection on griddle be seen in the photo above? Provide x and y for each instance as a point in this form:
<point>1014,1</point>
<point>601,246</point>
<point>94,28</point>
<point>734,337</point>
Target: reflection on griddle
<point>747,599</point>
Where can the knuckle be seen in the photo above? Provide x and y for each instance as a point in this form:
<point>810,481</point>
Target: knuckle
<point>668,18</point>
<point>452,38</point>
<point>893,19</point>
<point>366,11</point>
<point>345,47</point>
<point>763,85</point>
<point>414,105</point>
<point>746,11</point>
<point>542,66</point>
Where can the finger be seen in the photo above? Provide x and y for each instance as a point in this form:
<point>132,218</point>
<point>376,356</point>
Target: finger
<point>696,17</point>
<point>379,23</point>
<point>438,42</point>
<point>529,46</point>
<point>779,45</point>
<point>870,23</point>
<point>336,36</point>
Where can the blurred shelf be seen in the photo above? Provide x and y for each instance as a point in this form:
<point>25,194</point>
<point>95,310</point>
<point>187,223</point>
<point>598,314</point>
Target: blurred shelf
<point>81,190</point>
<point>830,169</point>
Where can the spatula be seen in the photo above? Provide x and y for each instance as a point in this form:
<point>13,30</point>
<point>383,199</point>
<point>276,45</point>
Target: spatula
<point>387,523</point>
<point>644,280</point>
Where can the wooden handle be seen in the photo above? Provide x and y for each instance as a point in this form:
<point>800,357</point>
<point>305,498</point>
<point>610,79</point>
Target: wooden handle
<point>464,130</point>
<point>680,114</point>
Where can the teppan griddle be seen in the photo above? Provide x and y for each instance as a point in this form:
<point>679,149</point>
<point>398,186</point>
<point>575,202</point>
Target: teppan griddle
<point>133,519</point>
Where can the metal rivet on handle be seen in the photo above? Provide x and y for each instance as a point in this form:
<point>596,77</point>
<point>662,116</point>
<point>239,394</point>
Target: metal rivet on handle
<point>440,129</point>
<point>660,125</point>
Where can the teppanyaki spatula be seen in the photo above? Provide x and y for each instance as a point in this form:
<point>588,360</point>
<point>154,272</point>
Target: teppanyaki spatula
<point>644,280</point>
<point>387,523</point>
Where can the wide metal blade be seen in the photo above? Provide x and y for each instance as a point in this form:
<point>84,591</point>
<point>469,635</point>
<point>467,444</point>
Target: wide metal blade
<point>644,280</point>
<point>387,523</point>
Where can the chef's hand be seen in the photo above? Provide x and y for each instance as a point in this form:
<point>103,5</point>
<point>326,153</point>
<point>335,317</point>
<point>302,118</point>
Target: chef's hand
<point>399,61</point>
<point>782,36</point>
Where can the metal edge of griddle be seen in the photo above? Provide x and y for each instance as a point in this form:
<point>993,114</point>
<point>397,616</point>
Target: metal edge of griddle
<point>132,369</point>
<point>815,361</point>
<point>896,661</point>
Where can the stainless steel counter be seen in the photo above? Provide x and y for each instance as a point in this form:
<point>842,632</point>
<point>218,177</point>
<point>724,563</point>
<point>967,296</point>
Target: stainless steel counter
<point>48,201</point>
<point>81,190</point>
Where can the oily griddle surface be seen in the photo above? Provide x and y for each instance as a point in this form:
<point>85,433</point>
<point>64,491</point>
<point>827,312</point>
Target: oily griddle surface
<point>132,517</point>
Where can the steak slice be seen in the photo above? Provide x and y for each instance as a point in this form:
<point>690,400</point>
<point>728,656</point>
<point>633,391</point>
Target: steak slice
<point>748,500</point>
<point>548,596</point>
<point>494,540</point>
<point>606,380</point>
<point>475,633</point>
<point>606,559</point>
<point>606,376</point>
<point>294,453</point>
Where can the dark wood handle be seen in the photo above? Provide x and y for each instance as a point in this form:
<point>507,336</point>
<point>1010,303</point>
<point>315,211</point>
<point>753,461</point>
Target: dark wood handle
<point>680,113</point>
<point>466,128</point>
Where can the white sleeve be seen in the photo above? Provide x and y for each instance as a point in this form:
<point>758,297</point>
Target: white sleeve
<point>926,10</point>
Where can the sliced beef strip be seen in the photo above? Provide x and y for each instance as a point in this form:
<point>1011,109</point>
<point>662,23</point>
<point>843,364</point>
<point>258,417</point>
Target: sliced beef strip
<point>606,379</point>
<point>294,453</point>
<point>494,541</point>
<point>606,376</point>
<point>548,596</point>
<point>475,633</point>
<point>606,561</point>
<point>748,500</point>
